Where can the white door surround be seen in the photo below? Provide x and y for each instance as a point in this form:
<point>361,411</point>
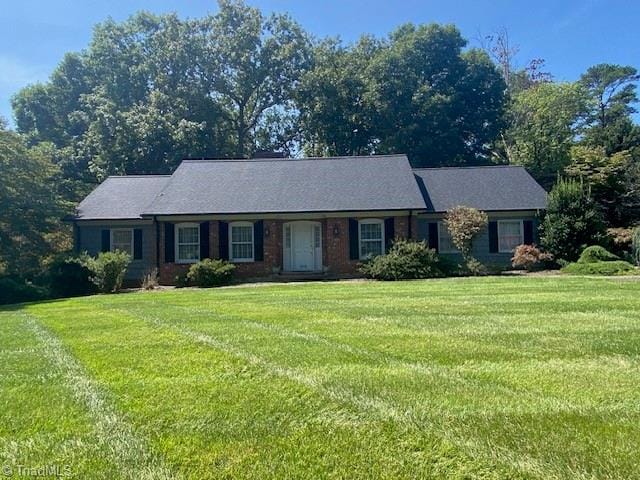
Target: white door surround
<point>302,246</point>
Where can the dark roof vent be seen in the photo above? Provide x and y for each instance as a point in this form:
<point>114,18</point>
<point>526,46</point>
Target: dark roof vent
<point>269,154</point>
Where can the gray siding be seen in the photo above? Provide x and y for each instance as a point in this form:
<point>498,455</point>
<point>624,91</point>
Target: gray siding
<point>481,243</point>
<point>91,242</point>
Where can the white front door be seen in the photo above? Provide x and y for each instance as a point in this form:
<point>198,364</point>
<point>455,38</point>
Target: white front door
<point>302,247</point>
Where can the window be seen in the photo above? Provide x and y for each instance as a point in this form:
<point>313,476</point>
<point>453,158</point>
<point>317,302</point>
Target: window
<point>122,239</point>
<point>241,241</point>
<point>371,234</point>
<point>445,242</point>
<point>187,242</point>
<point>509,235</point>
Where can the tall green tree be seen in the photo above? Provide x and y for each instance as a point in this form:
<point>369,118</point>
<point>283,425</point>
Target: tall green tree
<point>152,90</point>
<point>30,217</point>
<point>252,66</point>
<point>612,94</point>
<point>542,128</point>
<point>438,104</point>
<point>336,114</point>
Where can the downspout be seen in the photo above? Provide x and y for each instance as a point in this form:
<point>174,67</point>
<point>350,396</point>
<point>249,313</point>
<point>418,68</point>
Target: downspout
<point>410,235</point>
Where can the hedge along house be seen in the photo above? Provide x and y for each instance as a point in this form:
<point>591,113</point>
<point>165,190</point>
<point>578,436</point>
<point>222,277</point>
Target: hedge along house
<point>280,218</point>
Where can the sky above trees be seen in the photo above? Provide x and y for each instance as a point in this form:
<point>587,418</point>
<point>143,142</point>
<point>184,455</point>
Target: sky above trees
<point>569,35</point>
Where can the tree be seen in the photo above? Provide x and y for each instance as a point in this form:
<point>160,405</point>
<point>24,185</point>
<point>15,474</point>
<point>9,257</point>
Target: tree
<point>464,225</point>
<point>614,181</point>
<point>253,65</point>
<point>572,221</point>
<point>30,226</point>
<point>612,93</point>
<point>153,90</point>
<point>439,105</point>
<point>542,128</point>
<point>336,114</point>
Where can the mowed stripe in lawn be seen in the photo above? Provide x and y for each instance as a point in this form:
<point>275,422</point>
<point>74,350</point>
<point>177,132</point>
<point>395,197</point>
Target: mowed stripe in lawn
<point>514,406</point>
<point>53,417</point>
<point>114,435</point>
<point>524,376</point>
<point>215,412</point>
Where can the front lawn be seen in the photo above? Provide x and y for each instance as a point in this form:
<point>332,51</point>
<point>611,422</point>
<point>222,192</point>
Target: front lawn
<point>533,377</point>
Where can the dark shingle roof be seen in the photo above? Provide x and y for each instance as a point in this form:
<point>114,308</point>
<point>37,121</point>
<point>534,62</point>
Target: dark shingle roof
<point>123,197</point>
<point>484,188</point>
<point>383,182</point>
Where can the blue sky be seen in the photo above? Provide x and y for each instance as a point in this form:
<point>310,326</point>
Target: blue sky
<point>570,35</point>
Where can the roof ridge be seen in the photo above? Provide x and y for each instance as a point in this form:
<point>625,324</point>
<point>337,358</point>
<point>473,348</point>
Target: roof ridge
<point>267,159</point>
<point>468,167</point>
<point>139,176</point>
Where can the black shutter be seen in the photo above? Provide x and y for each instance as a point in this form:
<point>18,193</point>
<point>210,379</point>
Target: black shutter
<point>433,236</point>
<point>528,232</point>
<point>137,244</point>
<point>389,233</point>
<point>423,229</point>
<point>169,243</point>
<point>223,240</point>
<point>204,240</point>
<point>258,241</point>
<point>106,240</point>
<point>493,237</point>
<point>354,247</point>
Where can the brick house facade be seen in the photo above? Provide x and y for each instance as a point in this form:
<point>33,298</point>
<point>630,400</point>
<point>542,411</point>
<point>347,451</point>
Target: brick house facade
<point>316,217</point>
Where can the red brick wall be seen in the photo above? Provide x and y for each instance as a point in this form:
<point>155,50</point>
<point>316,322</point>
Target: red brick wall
<point>335,249</point>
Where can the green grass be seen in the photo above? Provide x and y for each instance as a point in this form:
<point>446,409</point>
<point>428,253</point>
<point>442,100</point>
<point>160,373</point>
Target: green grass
<point>535,377</point>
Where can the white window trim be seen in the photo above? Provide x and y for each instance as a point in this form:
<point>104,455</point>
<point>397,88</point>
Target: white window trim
<point>440,250</point>
<point>370,221</point>
<point>176,235</point>
<point>253,242</point>
<point>117,230</point>
<point>500,222</point>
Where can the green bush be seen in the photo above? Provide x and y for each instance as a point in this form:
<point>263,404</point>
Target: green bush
<point>16,291</point>
<point>405,260</point>
<point>108,270</point>
<point>571,222</point>
<point>210,273</point>
<point>616,267</point>
<point>635,245</point>
<point>71,276</point>
<point>596,253</point>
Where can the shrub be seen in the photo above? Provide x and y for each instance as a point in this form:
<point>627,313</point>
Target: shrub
<point>616,267</point>
<point>210,273</point>
<point>16,291</point>
<point>572,221</point>
<point>529,257</point>
<point>405,260</point>
<point>71,276</point>
<point>108,270</point>
<point>620,239</point>
<point>596,253</point>
<point>464,225</point>
<point>150,279</point>
<point>635,246</point>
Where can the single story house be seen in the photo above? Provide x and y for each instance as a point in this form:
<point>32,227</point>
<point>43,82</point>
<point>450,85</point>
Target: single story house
<point>276,217</point>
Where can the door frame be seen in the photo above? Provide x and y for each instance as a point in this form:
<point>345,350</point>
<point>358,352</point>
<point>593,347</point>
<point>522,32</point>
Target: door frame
<point>287,251</point>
